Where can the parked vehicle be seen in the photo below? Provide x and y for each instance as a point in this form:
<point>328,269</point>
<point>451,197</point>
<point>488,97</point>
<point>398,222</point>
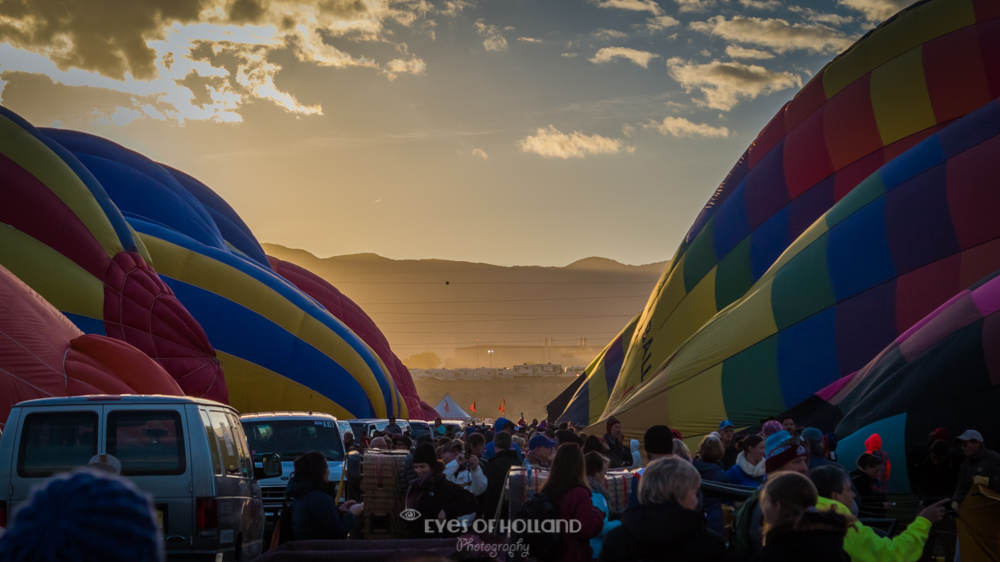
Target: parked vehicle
<point>419,428</point>
<point>291,435</point>
<point>190,454</point>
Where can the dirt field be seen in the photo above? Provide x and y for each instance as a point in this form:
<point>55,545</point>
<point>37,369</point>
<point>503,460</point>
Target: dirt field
<point>528,395</point>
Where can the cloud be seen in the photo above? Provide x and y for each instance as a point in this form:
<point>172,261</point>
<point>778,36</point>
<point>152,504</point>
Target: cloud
<point>876,10</point>
<point>607,54</point>
<point>633,5</point>
<point>568,55</point>
<point>395,67</point>
<point>776,34</point>
<point>661,22</point>
<point>552,143</point>
<point>680,127</point>
<point>737,52</point>
<point>493,40</point>
<point>819,17</point>
<point>761,4</point>
<point>454,7</point>
<point>529,39</point>
<point>610,34</point>
<point>723,84</point>
<point>694,5</point>
<point>480,153</point>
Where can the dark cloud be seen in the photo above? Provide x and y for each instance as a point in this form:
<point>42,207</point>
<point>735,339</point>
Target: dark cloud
<point>246,11</point>
<point>202,86</point>
<point>40,100</point>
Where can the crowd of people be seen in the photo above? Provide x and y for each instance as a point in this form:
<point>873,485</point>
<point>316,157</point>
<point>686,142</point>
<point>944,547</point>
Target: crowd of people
<point>803,505</point>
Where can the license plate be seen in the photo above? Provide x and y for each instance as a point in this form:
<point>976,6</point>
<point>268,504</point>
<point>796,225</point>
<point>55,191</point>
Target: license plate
<point>159,518</point>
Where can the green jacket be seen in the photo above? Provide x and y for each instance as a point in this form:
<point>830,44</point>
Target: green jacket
<point>864,545</point>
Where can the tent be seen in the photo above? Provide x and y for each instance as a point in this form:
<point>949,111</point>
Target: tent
<point>447,408</point>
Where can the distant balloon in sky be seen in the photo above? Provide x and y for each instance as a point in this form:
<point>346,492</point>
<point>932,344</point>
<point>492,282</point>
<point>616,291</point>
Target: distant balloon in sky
<point>62,235</point>
<point>280,349</point>
<point>42,354</point>
<point>913,234</point>
<point>932,63</point>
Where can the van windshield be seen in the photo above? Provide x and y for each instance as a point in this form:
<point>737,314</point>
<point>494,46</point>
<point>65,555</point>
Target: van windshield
<point>291,439</point>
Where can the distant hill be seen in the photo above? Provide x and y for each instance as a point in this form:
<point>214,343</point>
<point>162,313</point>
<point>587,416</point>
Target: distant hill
<point>445,306</point>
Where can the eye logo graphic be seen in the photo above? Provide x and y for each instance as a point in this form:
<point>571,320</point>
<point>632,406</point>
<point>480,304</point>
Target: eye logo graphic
<point>410,514</point>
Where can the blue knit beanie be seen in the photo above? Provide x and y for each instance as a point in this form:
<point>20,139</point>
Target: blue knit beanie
<point>84,516</point>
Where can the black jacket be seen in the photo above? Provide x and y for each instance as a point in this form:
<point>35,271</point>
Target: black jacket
<point>315,515</point>
<point>431,499</point>
<point>619,453</point>
<point>662,532</point>
<point>814,546</point>
<point>496,473</point>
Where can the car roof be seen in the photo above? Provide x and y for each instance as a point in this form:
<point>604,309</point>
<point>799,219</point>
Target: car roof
<point>286,416</point>
<point>120,399</point>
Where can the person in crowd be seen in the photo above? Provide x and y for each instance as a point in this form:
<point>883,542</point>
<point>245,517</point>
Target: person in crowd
<point>350,444</point>
<point>401,443</point>
<point>677,434</point>
<point>83,516</point>
<point>726,433</point>
<point>934,478</point>
<point>816,443</point>
<point>315,515</point>
<point>788,424</point>
<point>981,467</point>
<point>665,525</point>
<point>865,481</point>
<point>919,453</point>
<point>519,443</point>
<point>597,468</point>
<point>464,469</point>
<point>873,446</point>
<point>439,428</point>
<point>543,425</point>
<point>593,444</point>
<point>540,451</point>
<point>378,443</point>
<point>771,427</point>
<point>636,455</point>
<point>793,529</point>
<point>710,453</point>
<point>782,453</point>
<point>496,473</point>
<point>450,451</point>
<point>681,450</point>
<point>569,436</point>
<point>501,425</point>
<point>862,543</point>
<point>659,444</point>
<point>566,487</point>
<point>433,496</point>
<point>749,468</point>
<point>393,428</point>
<point>618,453</point>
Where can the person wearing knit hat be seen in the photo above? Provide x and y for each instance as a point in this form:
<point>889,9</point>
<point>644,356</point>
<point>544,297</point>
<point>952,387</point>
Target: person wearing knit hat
<point>84,516</point>
<point>432,496</point>
<point>618,453</point>
<point>770,428</point>
<point>659,444</point>
<point>784,453</point>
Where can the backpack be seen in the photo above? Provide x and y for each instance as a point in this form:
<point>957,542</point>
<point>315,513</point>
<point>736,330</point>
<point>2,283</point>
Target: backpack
<point>541,545</point>
<point>741,543</point>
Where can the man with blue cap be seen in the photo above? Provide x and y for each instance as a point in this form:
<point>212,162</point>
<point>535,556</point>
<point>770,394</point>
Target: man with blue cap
<point>540,449</point>
<point>726,433</point>
<point>507,426</point>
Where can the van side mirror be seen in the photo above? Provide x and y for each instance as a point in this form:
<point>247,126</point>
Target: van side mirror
<point>270,467</point>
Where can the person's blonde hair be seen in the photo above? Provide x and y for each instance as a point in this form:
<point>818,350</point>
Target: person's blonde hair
<point>681,450</point>
<point>668,480</point>
<point>711,449</point>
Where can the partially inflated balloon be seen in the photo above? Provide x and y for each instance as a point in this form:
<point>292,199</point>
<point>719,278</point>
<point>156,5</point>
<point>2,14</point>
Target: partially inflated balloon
<point>906,239</point>
<point>62,235</point>
<point>930,64</point>
<point>42,354</point>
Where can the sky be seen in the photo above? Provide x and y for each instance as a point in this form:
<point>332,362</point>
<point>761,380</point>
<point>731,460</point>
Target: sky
<point>512,132</point>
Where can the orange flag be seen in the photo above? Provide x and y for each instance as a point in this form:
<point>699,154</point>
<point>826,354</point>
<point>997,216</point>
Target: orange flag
<point>503,406</point>
<point>473,406</point>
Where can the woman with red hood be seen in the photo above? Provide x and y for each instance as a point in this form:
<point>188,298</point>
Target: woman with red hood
<point>873,446</point>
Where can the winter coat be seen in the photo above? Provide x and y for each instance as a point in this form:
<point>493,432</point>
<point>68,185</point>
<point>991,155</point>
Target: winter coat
<point>601,502</point>
<point>729,458</point>
<point>864,545</point>
<point>618,453</point>
<point>315,515</point>
<point>873,446</point>
<point>934,482</point>
<point>712,507</point>
<point>743,474</point>
<point>576,504</point>
<point>986,463</point>
<point>636,455</point>
<point>435,494</point>
<point>496,474</point>
<point>818,538</point>
<point>663,531</point>
<point>472,480</point>
<point>490,450</point>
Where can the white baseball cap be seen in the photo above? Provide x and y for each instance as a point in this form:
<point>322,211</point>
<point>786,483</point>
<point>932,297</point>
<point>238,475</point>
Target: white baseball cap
<point>971,435</point>
<point>106,463</point>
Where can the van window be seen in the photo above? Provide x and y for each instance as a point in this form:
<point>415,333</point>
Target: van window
<point>227,443</point>
<point>56,442</point>
<point>213,443</point>
<point>246,463</point>
<point>148,443</point>
<point>291,439</point>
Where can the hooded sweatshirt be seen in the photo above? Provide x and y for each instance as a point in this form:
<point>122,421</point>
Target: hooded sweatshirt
<point>864,545</point>
<point>817,537</point>
<point>665,531</point>
<point>636,456</point>
<point>873,446</point>
<point>315,515</point>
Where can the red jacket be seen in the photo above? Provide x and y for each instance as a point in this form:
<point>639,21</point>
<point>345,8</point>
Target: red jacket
<point>576,504</point>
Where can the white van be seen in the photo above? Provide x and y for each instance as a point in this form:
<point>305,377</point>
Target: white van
<point>190,454</point>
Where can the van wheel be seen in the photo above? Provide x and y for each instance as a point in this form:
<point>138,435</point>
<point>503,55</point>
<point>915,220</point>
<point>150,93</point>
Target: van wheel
<point>238,554</point>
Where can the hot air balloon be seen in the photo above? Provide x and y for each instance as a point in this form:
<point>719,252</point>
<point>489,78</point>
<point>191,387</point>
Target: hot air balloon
<point>280,349</point>
<point>927,66</point>
<point>42,354</point>
<point>62,235</point>
<point>906,239</point>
